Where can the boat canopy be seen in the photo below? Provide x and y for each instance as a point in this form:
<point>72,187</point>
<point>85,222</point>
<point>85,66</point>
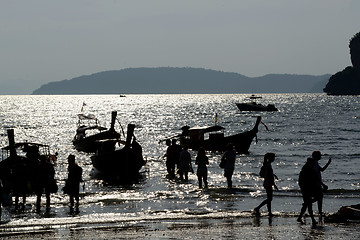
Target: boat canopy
<point>206,129</point>
<point>87,117</point>
<point>25,144</point>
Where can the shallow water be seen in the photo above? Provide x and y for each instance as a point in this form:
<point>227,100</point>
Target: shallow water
<point>305,122</point>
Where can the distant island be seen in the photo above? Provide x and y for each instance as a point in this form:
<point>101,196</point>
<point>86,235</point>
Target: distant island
<point>347,82</point>
<point>172,80</point>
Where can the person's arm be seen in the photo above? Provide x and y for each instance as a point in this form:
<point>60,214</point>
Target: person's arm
<point>326,165</point>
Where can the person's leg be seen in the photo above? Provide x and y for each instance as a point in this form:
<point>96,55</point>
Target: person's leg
<point>205,180</point>
<point>24,202</point>
<point>38,201</point>
<point>47,194</point>
<point>71,200</point>
<point>310,210</point>
<point>320,202</point>
<point>77,202</point>
<point>228,175</point>
<point>269,194</point>
<point>200,181</point>
<point>306,200</point>
<point>16,202</point>
<point>257,209</point>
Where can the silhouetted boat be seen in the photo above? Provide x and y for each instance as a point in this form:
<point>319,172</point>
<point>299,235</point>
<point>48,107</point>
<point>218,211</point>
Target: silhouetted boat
<point>253,96</point>
<point>122,164</point>
<point>20,162</point>
<point>89,143</point>
<point>195,138</point>
<point>253,106</point>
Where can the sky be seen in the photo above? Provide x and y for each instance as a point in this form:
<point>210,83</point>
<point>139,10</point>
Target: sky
<point>43,41</point>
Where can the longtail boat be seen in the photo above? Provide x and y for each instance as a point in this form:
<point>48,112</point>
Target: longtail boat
<point>194,138</point>
<point>89,142</point>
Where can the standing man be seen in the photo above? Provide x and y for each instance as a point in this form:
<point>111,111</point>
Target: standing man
<point>184,164</point>
<point>72,185</point>
<point>309,188</point>
<point>316,155</point>
<point>45,181</point>
<point>229,163</point>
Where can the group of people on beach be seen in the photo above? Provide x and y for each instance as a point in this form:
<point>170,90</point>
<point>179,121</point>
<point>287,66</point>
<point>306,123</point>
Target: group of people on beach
<point>310,180</point>
<point>35,175</point>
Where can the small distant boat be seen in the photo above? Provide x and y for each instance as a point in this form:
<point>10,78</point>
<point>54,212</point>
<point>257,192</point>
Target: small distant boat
<point>253,106</point>
<point>254,97</point>
<point>194,138</point>
<point>120,165</point>
<point>89,143</point>
<point>121,95</point>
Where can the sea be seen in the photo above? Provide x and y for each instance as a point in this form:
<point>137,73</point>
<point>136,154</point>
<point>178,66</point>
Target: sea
<point>304,123</point>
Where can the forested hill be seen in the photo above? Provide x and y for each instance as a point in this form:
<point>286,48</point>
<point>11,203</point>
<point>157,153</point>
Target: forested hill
<point>182,80</point>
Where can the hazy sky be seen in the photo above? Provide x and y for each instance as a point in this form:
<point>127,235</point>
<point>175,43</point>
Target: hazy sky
<point>47,40</point>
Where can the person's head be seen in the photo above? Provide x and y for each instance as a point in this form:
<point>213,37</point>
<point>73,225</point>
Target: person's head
<point>168,142</point>
<point>185,147</point>
<point>316,155</point>
<point>173,142</point>
<point>201,151</point>
<point>71,159</point>
<point>269,157</point>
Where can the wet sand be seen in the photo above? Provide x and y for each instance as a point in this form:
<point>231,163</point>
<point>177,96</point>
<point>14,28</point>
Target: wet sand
<point>228,227</point>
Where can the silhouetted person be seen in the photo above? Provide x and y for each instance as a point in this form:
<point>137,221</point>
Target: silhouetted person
<point>170,159</point>
<point>308,184</point>
<point>184,164</point>
<point>72,186</point>
<point>269,182</point>
<point>20,181</point>
<point>45,181</point>
<point>229,163</point>
<point>202,160</point>
<point>316,155</point>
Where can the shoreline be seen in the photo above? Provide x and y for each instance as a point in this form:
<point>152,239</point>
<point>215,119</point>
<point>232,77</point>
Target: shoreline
<point>250,227</point>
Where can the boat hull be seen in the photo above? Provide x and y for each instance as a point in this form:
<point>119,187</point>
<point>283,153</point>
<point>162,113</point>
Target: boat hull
<point>241,142</point>
<point>256,107</point>
<point>122,165</point>
<point>217,142</point>
<point>91,143</point>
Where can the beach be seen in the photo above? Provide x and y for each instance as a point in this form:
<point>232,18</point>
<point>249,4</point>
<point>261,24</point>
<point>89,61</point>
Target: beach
<point>229,227</point>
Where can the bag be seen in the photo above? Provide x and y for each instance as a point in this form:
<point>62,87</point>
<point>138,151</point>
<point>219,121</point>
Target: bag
<point>262,171</point>
<point>222,163</point>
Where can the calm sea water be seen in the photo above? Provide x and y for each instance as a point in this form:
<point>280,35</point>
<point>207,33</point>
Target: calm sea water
<point>305,122</point>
